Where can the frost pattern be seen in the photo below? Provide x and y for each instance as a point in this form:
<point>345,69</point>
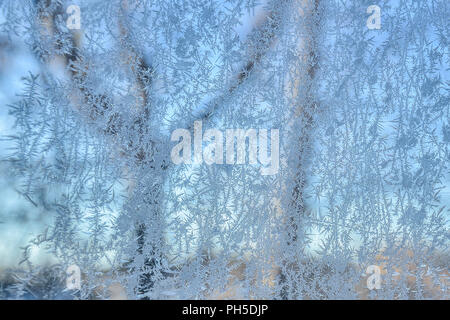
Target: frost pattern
<point>364,146</point>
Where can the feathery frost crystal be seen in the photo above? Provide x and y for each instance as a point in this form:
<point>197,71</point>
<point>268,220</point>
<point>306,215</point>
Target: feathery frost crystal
<point>362,111</point>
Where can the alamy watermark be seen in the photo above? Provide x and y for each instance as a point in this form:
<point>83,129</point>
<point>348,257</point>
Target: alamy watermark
<point>73,280</point>
<point>374,20</point>
<point>374,280</point>
<point>209,147</point>
<point>74,20</point>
